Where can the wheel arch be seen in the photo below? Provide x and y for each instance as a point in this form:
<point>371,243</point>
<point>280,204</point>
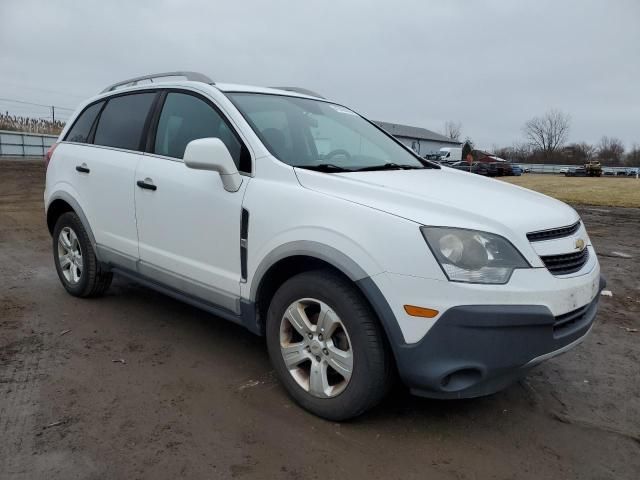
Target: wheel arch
<point>286,262</point>
<point>60,203</point>
<point>305,251</point>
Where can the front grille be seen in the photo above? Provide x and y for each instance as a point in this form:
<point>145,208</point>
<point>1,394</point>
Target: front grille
<point>553,233</point>
<point>568,321</point>
<point>566,263</point>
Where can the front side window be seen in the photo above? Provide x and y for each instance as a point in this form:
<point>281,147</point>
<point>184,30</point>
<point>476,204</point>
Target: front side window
<point>185,118</point>
<point>122,121</point>
<point>80,130</point>
<point>317,134</point>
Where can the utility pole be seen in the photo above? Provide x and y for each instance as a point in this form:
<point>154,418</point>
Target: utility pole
<point>53,113</point>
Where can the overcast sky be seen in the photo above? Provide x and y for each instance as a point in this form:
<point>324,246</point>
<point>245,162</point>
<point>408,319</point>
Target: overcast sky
<point>489,64</point>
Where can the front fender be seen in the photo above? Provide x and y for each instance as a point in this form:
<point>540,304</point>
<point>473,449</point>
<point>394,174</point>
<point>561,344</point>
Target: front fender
<point>346,264</point>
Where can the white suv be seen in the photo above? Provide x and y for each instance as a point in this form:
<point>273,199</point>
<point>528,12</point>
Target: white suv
<point>304,222</point>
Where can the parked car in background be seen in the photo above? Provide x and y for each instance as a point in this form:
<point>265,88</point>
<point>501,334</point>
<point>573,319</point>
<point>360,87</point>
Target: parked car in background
<point>576,172</point>
<point>504,169</point>
<point>608,172</point>
<point>451,154</point>
<point>479,168</point>
<point>564,170</point>
<point>500,167</point>
<point>485,169</point>
<point>516,170</point>
<point>632,172</point>
<point>463,166</point>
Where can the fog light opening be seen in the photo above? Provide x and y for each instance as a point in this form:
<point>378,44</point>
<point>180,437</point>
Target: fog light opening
<point>461,379</point>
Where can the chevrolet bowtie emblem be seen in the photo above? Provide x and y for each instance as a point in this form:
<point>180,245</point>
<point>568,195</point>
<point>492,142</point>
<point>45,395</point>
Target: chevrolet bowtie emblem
<point>579,244</point>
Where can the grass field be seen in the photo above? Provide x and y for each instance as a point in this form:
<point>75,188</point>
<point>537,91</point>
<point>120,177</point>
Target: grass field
<point>603,191</point>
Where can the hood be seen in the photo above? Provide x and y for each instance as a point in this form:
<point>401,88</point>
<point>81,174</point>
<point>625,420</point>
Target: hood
<point>445,197</point>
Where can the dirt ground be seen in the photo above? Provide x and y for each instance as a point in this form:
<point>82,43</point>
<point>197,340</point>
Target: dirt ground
<point>137,385</point>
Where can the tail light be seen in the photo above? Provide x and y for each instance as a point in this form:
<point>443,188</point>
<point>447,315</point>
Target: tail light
<point>47,157</point>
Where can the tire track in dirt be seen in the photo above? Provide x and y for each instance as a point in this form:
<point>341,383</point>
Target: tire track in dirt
<point>21,354</point>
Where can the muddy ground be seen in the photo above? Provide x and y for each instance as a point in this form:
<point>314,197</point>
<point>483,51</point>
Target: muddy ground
<point>195,396</point>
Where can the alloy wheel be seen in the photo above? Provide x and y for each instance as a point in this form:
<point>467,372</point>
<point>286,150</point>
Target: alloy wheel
<point>316,348</point>
<point>70,255</point>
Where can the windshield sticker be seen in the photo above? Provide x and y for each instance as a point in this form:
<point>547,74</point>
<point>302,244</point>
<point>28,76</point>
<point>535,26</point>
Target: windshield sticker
<point>342,109</point>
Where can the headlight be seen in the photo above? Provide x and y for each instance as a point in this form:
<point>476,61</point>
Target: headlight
<point>472,256</point>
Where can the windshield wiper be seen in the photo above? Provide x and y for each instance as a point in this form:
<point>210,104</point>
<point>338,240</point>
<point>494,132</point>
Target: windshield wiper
<point>389,166</point>
<point>325,167</point>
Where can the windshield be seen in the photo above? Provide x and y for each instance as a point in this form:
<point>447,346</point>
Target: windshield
<point>320,135</point>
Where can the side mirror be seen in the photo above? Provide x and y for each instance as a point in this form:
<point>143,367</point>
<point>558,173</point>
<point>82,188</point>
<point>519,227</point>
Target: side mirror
<point>212,154</point>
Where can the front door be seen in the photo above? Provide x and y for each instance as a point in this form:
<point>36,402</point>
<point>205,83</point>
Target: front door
<point>188,224</point>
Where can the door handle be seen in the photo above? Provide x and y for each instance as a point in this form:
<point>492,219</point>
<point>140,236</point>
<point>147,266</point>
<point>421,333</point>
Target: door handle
<point>82,168</point>
<point>144,184</point>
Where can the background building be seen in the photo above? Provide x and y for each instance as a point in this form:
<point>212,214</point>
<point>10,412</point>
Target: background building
<point>421,140</point>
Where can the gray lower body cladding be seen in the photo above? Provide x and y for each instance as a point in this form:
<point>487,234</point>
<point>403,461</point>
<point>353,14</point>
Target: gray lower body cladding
<point>476,350</point>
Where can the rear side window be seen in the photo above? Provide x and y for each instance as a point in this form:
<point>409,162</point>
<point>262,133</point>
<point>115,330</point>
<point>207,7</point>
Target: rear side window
<point>82,127</point>
<point>184,118</point>
<point>122,121</point>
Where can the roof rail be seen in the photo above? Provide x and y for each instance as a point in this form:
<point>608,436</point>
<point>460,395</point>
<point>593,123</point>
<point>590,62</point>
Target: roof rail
<point>192,76</point>
<point>303,91</point>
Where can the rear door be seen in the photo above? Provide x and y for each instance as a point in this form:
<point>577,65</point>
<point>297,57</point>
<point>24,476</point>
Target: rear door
<point>116,151</point>
<point>103,153</point>
<point>188,224</point>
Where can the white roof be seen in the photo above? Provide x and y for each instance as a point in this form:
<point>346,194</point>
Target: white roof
<point>232,87</point>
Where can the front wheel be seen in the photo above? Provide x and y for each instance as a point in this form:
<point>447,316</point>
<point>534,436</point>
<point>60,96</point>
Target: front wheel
<point>326,345</point>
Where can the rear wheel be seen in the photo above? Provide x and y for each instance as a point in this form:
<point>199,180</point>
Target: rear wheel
<point>78,268</point>
<point>326,345</point>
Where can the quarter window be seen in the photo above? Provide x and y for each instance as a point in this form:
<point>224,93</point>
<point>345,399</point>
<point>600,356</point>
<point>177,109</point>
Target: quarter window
<point>82,127</point>
<point>122,121</point>
<point>186,117</point>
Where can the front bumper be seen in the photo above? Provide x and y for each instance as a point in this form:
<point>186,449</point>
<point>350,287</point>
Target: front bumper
<point>477,350</point>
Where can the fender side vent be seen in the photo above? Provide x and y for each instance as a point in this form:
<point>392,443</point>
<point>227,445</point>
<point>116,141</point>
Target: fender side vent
<point>244,233</point>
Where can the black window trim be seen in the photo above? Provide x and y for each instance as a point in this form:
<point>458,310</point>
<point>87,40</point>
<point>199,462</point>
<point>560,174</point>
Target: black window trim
<point>93,124</point>
<point>92,131</point>
<point>155,119</point>
<point>96,121</point>
<point>145,125</point>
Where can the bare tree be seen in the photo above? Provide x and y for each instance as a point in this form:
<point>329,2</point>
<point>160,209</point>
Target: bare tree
<point>589,151</point>
<point>503,152</point>
<point>610,150</point>
<point>633,157</point>
<point>522,152</point>
<point>467,147</point>
<point>548,132</point>
<point>578,153</point>
<point>453,130</point>
<point>518,152</point>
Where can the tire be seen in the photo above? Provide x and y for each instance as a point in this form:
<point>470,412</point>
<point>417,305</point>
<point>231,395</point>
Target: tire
<point>79,271</point>
<point>356,331</point>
